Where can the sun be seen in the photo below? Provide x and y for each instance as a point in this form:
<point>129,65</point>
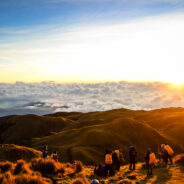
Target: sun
<point>177,84</point>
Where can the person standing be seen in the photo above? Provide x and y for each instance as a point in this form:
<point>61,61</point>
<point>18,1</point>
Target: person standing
<point>108,163</point>
<point>132,156</point>
<point>45,152</point>
<point>150,160</point>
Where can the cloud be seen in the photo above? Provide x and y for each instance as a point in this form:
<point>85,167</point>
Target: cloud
<point>49,97</point>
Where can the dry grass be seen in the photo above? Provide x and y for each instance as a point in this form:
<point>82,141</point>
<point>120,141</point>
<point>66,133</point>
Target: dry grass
<point>28,179</point>
<point>81,180</point>
<point>6,166</point>
<point>24,173</point>
<point>9,178</point>
<point>179,159</point>
<point>47,166</point>
<point>22,168</point>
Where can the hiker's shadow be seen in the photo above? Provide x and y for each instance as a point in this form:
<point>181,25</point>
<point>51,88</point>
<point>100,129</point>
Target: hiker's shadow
<point>160,176</point>
<point>181,168</point>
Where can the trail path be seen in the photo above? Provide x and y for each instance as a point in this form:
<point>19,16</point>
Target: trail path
<point>172,174</point>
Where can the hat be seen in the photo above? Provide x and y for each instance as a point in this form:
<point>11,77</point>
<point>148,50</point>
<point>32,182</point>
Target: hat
<point>95,181</point>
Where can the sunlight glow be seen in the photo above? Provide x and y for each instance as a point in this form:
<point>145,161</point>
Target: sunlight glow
<point>147,49</point>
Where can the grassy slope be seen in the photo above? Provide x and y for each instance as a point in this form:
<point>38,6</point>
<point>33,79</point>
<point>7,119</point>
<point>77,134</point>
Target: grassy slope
<point>13,153</point>
<point>93,132</point>
<point>85,136</point>
<point>24,128</point>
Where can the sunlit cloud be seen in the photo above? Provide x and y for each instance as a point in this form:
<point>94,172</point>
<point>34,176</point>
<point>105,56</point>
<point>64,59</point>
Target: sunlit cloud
<point>50,97</point>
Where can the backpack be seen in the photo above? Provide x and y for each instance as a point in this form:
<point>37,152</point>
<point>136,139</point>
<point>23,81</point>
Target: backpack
<point>133,153</point>
<point>117,153</point>
<point>152,158</point>
<point>108,159</point>
<point>169,150</point>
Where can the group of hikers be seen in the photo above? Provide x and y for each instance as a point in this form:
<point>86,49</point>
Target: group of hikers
<point>54,154</point>
<point>114,159</point>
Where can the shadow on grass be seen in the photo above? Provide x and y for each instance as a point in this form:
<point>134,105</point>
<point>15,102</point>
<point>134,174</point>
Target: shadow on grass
<point>181,168</point>
<point>160,176</point>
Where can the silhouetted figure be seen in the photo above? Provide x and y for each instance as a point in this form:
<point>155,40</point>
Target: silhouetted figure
<point>45,152</point>
<point>100,170</point>
<point>115,162</point>
<point>132,155</point>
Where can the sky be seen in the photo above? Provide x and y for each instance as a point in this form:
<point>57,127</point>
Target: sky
<point>70,41</point>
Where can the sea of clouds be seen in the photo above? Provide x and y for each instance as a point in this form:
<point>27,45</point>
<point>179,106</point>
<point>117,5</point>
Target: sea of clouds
<point>49,97</point>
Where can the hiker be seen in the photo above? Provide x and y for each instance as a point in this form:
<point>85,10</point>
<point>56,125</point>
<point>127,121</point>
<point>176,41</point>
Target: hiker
<point>108,163</point>
<point>54,156</point>
<point>132,155</point>
<point>169,153</point>
<point>45,152</point>
<point>150,161</point>
<point>100,170</point>
<point>114,162</point>
<point>118,159</point>
<point>121,157</point>
<point>160,153</point>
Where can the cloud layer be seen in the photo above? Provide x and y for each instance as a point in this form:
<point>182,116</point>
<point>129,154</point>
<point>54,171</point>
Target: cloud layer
<point>49,97</point>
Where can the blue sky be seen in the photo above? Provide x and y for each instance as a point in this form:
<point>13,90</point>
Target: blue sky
<point>53,34</point>
<point>19,13</point>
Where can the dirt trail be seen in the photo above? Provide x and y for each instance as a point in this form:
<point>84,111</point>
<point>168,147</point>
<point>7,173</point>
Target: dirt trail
<point>161,175</point>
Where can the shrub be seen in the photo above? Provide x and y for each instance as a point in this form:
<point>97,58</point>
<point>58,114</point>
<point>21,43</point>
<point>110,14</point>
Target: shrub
<point>22,168</point>
<point>20,173</point>
<point>6,166</point>
<point>7,178</point>
<point>79,166</point>
<point>68,165</point>
<point>61,170</point>
<point>47,166</point>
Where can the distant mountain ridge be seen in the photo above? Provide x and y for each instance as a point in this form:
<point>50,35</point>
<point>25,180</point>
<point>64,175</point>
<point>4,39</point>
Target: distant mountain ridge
<point>85,136</point>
